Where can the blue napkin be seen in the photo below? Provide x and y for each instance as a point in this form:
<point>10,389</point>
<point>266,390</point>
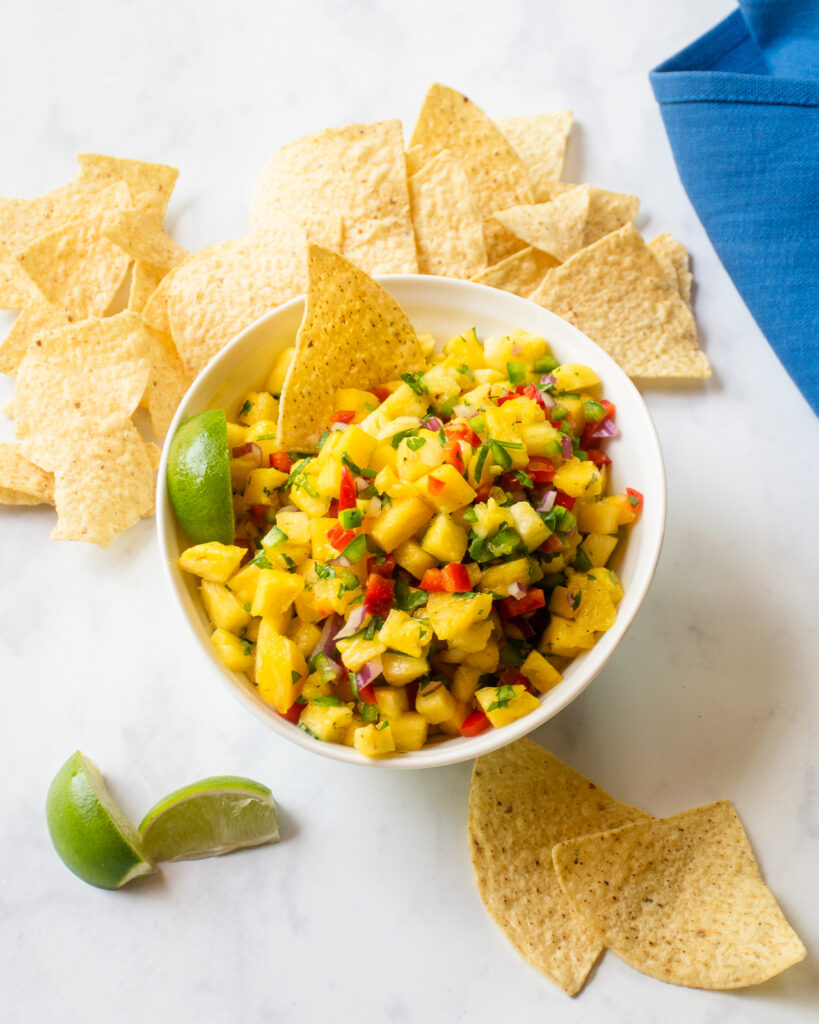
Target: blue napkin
<point>741,109</point>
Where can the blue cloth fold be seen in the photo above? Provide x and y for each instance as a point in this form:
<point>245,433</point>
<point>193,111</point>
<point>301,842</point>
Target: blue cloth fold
<point>741,109</point>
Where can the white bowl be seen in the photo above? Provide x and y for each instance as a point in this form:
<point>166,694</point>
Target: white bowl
<point>442,307</point>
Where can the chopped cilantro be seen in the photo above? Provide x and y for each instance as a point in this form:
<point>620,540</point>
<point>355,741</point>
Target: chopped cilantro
<point>464,370</point>
<point>500,454</point>
<point>327,701</point>
<point>397,438</point>
<point>246,647</point>
<point>246,408</point>
<point>324,572</point>
<point>246,606</point>
<point>354,469</point>
<point>414,381</point>
<point>524,478</point>
<point>407,598</point>
<point>295,676</point>
<point>309,732</point>
<point>503,695</point>
<point>261,560</point>
<point>576,599</point>
<point>322,439</point>
<point>470,515</point>
<point>414,443</point>
<point>298,478</point>
<point>632,500</point>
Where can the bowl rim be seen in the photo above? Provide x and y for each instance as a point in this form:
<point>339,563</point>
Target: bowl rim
<point>452,750</point>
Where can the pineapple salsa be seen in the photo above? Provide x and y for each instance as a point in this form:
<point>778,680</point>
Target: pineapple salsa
<point>431,569</point>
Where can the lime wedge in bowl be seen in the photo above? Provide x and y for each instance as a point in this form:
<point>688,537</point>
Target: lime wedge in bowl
<point>90,833</point>
<point>209,818</point>
<point>198,478</point>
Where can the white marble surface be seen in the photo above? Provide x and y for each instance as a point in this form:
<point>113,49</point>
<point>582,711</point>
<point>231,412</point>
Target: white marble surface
<point>367,909</point>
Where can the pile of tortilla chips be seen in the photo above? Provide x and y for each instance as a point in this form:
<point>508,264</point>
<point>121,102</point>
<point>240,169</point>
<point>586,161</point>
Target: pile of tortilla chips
<point>567,871</point>
<point>465,197</point>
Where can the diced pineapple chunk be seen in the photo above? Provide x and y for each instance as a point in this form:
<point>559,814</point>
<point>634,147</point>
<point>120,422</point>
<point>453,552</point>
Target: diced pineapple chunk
<point>540,673</point>
<point>412,557</point>
<point>528,525</point>
<point>321,548</point>
<point>400,669</point>
<point>399,522</point>
<point>275,592</point>
<point>243,584</point>
<point>445,489</point>
<point>279,371</point>
<point>419,454</point>
<point>465,348</point>
<point>542,439</point>
<point>599,547</point>
<point>518,347</point>
<point>442,383</point>
<point>405,402</point>
<point>356,651</point>
<point>236,654</point>
<point>609,579</point>
<point>262,406</point>
<point>305,494</point>
<point>501,708</point>
<point>280,668</point>
<point>356,400</point>
<point>404,634</point>
<point>305,635</point>
<point>498,578</point>
<point>315,686</point>
<point>445,540</point>
<point>374,740</point>
<point>452,725</point>
<point>295,524</point>
<point>436,705</point>
<point>565,638</point>
<point>392,701</point>
<point>473,639</point>
<point>224,611</point>
<point>385,478</point>
<point>490,517</point>
<point>486,660</point>
<point>328,480</point>
<point>597,516</point>
<point>212,561</point>
<point>327,723</point>
<point>465,683</point>
<point>574,377</point>
<point>579,479</point>
<point>409,731</point>
<point>452,614</point>
<point>236,435</point>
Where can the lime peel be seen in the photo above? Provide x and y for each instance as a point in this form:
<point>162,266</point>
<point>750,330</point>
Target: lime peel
<point>209,818</point>
<point>90,833</point>
<point>198,478</point>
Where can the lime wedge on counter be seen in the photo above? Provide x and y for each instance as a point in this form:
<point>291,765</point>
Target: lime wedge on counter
<point>90,833</point>
<point>209,818</point>
<point>199,478</point>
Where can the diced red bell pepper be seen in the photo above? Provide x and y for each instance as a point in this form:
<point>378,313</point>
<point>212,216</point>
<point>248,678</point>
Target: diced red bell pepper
<point>281,461</point>
<point>293,713</point>
<point>474,723</point>
<point>597,457</point>
<point>433,581</point>
<point>483,491</point>
<point>536,395</point>
<point>610,407</point>
<point>453,456</point>
<point>243,542</point>
<point>434,485</point>
<point>382,394</point>
<point>566,500</point>
<point>456,578</point>
<point>514,677</point>
<point>332,511</point>
<point>411,690</point>
<point>339,537</point>
<point>367,694</point>
<point>386,567</point>
<point>462,432</point>
<point>509,607</point>
<point>635,499</point>
<point>378,596</point>
<point>347,492</point>
<point>343,416</point>
<point>551,545</point>
<point>541,470</point>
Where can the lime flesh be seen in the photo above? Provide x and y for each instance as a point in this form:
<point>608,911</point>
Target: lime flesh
<point>209,818</point>
<point>90,833</point>
<point>199,478</point>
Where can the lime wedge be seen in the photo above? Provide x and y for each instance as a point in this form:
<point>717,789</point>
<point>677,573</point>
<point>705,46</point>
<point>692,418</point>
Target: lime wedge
<point>199,478</point>
<point>90,833</point>
<point>209,818</point>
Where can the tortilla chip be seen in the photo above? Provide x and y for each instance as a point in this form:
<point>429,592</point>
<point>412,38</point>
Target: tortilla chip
<point>76,267</point>
<point>353,334</point>
<point>35,320</point>
<point>497,177</point>
<point>150,184</point>
<point>90,370</point>
<point>145,280</point>
<point>540,141</point>
<point>23,220</point>
<point>615,292</point>
<point>521,273</point>
<point>681,899</point>
<point>523,801</point>
<point>167,383</point>
<point>222,289</point>
<point>448,226</point>
<point>356,172</point>
<point>667,247</point>
<point>155,308</point>
<point>16,287</point>
<point>103,477</point>
<point>139,234</point>
<point>21,482</point>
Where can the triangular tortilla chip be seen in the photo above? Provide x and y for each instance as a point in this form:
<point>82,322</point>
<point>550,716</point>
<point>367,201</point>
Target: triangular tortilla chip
<point>523,801</point>
<point>521,273</point>
<point>667,247</point>
<point>103,477</point>
<point>353,334</point>
<point>540,141</point>
<point>150,184</point>
<point>167,383</point>
<point>497,177</point>
<point>616,292</point>
<point>356,172</point>
<point>92,370</point>
<point>34,321</point>
<point>556,227</point>
<point>448,226</point>
<point>140,235</point>
<point>21,482</point>
<point>16,287</point>
<point>681,899</point>
<point>145,279</point>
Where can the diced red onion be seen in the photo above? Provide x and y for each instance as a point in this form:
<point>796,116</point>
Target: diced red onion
<point>251,448</point>
<point>327,641</point>
<point>547,401</point>
<point>547,378</point>
<point>431,423</point>
<point>566,444</point>
<point>354,623</point>
<point>516,590</point>
<point>605,428</point>
<point>525,627</point>
<point>464,411</point>
<point>369,671</point>
<point>431,687</point>
<point>339,426</point>
<point>362,483</point>
<point>290,508</point>
<point>342,561</point>
<point>243,542</point>
<point>516,349</point>
<point>546,502</point>
<point>374,508</point>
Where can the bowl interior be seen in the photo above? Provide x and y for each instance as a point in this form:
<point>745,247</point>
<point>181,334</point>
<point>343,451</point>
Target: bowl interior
<point>442,307</point>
